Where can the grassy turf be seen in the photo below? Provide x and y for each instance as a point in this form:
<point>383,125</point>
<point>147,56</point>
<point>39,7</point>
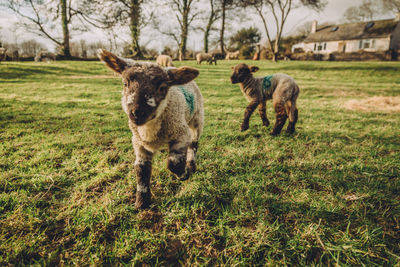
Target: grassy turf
<point>330,194</point>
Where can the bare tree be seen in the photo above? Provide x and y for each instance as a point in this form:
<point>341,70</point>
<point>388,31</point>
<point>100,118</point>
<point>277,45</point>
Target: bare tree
<point>214,15</point>
<point>364,12</point>
<point>30,47</point>
<point>118,14</point>
<point>41,18</point>
<point>226,6</point>
<point>391,5</point>
<point>185,13</point>
<point>279,10</point>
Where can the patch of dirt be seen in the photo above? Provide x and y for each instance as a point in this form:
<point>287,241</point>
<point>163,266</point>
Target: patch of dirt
<point>390,104</point>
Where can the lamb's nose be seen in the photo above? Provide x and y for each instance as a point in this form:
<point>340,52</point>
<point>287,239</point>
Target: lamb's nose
<point>137,113</point>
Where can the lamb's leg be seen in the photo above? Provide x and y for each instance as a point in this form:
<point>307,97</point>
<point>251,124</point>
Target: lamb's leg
<point>280,120</point>
<point>191,160</point>
<point>292,124</point>
<point>177,158</point>
<point>143,173</point>
<point>263,114</point>
<point>247,113</point>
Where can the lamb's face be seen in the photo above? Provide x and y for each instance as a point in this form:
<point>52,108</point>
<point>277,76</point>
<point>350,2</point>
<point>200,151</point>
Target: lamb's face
<point>241,72</point>
<point>145,87</point>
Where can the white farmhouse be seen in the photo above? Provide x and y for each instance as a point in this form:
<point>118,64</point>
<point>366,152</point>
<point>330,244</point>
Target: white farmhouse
<point>373,36</point>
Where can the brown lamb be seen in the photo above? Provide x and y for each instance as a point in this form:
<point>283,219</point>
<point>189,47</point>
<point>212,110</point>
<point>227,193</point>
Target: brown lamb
<point>281,88</point>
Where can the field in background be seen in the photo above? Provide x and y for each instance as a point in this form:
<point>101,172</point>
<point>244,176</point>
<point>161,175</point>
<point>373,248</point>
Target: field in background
<point>330,194</point>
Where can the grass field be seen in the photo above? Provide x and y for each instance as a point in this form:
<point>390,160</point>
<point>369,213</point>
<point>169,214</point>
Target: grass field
<point>328,195</point>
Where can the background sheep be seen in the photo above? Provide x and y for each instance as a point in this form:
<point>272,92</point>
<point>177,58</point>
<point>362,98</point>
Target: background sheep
<point>281,88</point>
<point>232,55</point>
<point>45,56</point>
<point>164,61</point>
<point>165,107</point>
<point>200,57</point>
<point>2,53</point>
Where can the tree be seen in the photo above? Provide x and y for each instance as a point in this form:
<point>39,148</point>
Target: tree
<point>245,37</point>
<point>185,15</point>
<point>214,15</point>
<point>280,10</point>
<point>42,17</point>
<point>226,6</point>
<point>30,47</point>
<point>119,13</point>
<point>364,12</point>
<point>245,40</point>
<point>391,5</point>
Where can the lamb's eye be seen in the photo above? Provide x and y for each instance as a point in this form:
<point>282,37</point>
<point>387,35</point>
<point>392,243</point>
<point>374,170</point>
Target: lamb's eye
<point>125,84</point>
<point>163,88</point>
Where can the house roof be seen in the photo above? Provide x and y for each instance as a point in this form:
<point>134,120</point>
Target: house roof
<point>352,31</point>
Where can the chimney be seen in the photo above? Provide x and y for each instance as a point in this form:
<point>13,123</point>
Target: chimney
<point>397,18</point>
<point>314,26</point>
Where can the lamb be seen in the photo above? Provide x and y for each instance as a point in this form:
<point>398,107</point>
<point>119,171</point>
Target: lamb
<point>200,57</point>
<point>164,107</point>
<point>2,53</point>
<point>281,88</point>
<point>45,56</point>
<point>232,55</point>
<point>164,61</point>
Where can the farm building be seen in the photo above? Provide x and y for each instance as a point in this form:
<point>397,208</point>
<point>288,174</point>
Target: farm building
<point>373,36</point>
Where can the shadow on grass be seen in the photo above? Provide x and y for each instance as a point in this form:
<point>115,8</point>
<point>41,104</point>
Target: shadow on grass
<point>25,71</point>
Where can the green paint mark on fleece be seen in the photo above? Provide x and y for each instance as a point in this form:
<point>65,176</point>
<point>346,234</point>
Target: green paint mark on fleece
<point>189,97</point>
<point>267,83</point>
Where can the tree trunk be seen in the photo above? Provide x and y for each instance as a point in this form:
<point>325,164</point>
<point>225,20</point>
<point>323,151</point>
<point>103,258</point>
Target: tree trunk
<point>184,33</point>
<point>207,34</point>
<point>134,11</point>
<point>211,20</point>
<point>221,38</point>
<point>275,51</point>
<point>64,21</point>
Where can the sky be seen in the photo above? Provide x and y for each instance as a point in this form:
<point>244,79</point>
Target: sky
<point>10,32</point>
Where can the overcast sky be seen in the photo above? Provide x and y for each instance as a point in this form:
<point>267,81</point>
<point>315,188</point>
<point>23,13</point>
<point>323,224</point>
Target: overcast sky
<point>333,12</point>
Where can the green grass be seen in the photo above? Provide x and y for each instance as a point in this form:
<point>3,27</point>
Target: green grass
<point>328,195</point>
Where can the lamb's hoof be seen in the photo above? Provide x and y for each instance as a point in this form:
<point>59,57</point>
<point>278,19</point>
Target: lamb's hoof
<point>185,176</point>
<point>266,124</point>
<point>290,131</point>
<point>142,201</point>
<point>244,128</point>
<point>273,133</point>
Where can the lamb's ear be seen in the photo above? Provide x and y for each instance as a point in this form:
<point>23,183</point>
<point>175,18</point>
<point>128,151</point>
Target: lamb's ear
<point>253,68</point>
<point>112,61</point>
<point>182,75</point>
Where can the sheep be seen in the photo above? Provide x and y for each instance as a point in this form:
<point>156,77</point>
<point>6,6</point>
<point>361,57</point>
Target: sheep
<point>164,61</point>
<point>232,55</point>
<point>200,57</point>
<point>2,53</point>
<point>45,56</point>
<point>164,107</point>
<point>281,88</point>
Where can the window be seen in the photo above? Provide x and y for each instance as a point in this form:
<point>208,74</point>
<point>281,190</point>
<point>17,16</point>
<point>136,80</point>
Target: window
<point>369,25</point>
<point>334,29</point>
<point>367,43</point>
<point>319,46</point>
